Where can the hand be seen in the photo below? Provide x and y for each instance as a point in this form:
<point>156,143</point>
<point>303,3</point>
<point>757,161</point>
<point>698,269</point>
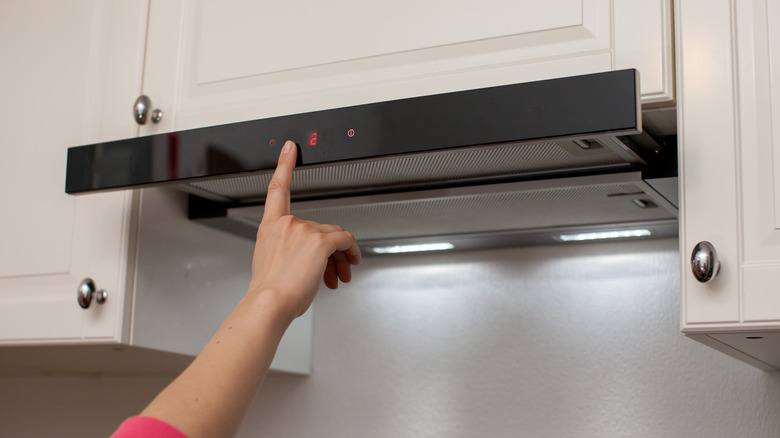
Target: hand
<point>291,255</point>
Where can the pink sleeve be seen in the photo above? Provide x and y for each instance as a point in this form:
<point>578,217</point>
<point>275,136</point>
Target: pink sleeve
<point>146,427</point>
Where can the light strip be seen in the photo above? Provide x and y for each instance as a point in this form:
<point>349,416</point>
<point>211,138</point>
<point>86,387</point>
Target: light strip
<point>413,248</point>
<point>604,235</point>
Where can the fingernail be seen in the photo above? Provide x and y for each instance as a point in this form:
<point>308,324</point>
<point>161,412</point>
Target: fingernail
<point>288,145</point>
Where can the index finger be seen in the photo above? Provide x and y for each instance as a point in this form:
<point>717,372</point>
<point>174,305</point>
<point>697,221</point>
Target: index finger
<point>277,201</point>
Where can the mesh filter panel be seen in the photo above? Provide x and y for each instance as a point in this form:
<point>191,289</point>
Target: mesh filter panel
<point>535,209</point>
<point>462,164</point>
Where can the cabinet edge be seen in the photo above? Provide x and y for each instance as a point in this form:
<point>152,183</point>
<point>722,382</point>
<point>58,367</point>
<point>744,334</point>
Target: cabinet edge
<point>731,351</point>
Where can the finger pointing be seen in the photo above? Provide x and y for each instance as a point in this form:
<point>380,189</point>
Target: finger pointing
<point>277,201</point>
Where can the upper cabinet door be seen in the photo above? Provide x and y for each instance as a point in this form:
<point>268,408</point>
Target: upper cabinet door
<point>63,88</point>
<point>758,147</point>
<point>730,158</point>
<point>211,62</point>
<point>729,123</point>
<point>707,133</point>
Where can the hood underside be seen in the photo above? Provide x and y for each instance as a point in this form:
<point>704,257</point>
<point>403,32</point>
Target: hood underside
<point>534,212</point>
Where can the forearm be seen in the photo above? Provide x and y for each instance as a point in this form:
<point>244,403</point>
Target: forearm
<point>210,397</point>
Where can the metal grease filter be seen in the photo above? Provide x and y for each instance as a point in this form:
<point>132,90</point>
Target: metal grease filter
<point>515,159</point>
<point>535,209</point>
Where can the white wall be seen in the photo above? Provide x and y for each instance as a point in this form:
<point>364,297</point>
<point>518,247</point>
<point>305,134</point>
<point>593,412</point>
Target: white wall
<point>549,341</point>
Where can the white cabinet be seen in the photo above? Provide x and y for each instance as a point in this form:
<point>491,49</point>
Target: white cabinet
<point>68,66</point>
<point>729,91</point>
<point>170,282</point>
<point>212,61</point>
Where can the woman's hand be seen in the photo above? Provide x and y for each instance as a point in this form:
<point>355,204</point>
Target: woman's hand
<point>292,255</point>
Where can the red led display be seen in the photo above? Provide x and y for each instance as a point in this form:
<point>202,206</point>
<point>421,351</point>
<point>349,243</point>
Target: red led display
<point>313,138</point>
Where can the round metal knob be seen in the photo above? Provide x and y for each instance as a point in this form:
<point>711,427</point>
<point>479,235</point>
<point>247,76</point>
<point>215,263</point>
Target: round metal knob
<point>87,291</point>
<point>704,262</point>
<point>142,109</point>
<point>157,115</point>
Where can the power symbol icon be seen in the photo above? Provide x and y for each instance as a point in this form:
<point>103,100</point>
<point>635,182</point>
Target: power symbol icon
<point>351,133</point>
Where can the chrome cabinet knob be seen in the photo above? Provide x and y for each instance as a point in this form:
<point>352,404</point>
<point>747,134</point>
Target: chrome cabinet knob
<point>142,110</point>
<point>157,115</point>
<point>704,262</point>
<point>87,291</point>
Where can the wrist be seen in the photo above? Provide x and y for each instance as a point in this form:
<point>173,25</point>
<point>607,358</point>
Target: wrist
<point>273,304</point>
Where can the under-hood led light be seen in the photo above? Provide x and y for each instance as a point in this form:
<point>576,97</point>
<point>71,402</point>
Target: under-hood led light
<point>413,248</point>
<point>604,235</point>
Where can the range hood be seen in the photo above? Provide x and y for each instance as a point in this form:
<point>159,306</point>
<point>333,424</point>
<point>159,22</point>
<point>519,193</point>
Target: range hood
<point>508,165</point>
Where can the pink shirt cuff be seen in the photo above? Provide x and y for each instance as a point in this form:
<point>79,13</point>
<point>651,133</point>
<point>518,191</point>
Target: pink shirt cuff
<point>146,427</point>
